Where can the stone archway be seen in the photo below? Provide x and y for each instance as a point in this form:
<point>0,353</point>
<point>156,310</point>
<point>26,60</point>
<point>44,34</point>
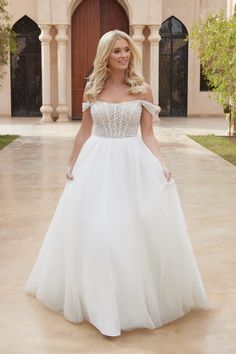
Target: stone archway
<point>90,20</point>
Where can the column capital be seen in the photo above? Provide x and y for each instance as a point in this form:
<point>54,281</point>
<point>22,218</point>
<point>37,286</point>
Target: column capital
<point>154,37</point>
<point>45,36</point>
<point>138,36</point>
<point>61,36</point>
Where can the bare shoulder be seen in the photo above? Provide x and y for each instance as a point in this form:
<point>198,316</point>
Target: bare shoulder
<point>147,94</point>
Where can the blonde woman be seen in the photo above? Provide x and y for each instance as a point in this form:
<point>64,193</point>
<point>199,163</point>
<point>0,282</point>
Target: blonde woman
<point>117,252</point>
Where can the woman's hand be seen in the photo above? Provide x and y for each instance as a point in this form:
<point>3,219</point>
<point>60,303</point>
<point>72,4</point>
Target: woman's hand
<point>69,175</point>
<point>167,172</point>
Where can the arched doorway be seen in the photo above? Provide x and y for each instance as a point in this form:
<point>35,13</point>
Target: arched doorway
<point>90,20</point>
<point>26,87</point>
<point>173,68</point>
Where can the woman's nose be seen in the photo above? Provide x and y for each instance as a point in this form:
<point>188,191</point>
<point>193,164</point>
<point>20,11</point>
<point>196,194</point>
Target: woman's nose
<point>123,53</point>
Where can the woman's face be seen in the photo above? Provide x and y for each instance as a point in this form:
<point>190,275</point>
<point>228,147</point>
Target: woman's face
<point>120,55</point>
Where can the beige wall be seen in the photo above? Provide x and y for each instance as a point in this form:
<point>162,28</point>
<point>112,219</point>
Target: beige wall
<point>23,7</point>
<point>140,12</point>
<point>17,9</point>
<point>189,12</point>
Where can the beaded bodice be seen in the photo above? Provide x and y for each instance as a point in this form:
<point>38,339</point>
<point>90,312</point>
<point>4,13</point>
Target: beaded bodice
<point>117,120</point>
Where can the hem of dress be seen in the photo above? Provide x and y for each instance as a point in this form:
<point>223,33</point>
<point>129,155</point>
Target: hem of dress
<point>119,332</point>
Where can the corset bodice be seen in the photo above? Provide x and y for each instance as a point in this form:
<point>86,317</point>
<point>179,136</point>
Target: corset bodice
<point>117,120</point>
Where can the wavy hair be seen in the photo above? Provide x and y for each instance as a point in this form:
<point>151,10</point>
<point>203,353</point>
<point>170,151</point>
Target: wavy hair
<point>101,72</point>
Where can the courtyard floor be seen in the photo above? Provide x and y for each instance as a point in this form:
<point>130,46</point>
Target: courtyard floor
<point>32,176</point>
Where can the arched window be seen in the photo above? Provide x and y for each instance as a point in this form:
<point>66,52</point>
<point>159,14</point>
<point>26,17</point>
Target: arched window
<point>173,65</point>
<point>26,69</point>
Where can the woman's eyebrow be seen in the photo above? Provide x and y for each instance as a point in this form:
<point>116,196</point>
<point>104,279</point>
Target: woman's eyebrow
<point>121,47</point>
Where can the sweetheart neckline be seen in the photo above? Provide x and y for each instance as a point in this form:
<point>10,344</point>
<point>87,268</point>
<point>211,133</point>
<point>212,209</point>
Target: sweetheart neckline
<point>147,104</point>
<point>139,100</point>
<point>120,102</point>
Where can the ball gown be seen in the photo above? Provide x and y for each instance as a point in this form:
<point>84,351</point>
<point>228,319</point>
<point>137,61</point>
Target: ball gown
<point>117,252</point>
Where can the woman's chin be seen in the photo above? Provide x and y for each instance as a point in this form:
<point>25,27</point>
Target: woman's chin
<point>122,67</point>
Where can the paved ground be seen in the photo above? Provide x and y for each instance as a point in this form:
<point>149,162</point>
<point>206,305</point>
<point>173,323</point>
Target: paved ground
<point>31,181</point>
<point>33,127</point>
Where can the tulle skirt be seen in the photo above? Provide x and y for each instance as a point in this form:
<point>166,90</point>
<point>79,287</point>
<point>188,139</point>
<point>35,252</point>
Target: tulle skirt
<point>117,251</point>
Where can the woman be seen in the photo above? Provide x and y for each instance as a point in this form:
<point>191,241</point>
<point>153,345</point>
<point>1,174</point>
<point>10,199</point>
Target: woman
<point>117,252</point>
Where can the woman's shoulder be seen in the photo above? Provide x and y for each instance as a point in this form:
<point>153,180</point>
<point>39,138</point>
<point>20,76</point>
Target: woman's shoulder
<point>146,95</point>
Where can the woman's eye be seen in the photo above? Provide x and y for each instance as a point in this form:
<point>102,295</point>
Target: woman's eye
<point>117,51</point>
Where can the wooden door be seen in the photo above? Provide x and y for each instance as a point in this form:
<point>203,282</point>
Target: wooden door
<point>90,20</point>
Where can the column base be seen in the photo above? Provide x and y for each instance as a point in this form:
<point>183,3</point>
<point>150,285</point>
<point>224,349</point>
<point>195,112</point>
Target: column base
<point>62,111</point>
<point>46,111</point>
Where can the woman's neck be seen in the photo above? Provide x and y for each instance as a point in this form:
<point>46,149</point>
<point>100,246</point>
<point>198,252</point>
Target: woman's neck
<point>116,77</point>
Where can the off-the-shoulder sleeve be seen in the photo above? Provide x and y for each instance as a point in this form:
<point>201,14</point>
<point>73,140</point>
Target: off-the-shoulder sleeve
<point>150,107</point>
<point>85,106</point>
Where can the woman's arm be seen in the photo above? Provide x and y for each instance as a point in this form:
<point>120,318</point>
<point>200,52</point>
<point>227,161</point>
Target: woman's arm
<point>82,135</point>
<point>148,134</point>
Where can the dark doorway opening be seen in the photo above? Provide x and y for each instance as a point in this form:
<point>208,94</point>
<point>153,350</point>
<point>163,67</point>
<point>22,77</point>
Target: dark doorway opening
<point>173,68</point>
<point>26,80</point>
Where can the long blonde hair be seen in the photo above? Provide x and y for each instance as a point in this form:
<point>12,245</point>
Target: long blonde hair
<point>101,71</point>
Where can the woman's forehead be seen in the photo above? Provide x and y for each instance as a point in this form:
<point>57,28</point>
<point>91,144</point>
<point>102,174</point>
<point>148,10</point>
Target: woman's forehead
<point>120,42</point>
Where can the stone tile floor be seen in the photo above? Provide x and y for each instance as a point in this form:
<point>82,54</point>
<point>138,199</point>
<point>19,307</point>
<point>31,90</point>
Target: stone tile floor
<point>31,181</point>
<point>33,126</point>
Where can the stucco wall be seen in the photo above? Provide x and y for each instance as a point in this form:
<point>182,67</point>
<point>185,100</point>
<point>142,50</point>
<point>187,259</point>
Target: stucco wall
<point>140,12</point>
<point>17,9</point>
<point>189,12</point>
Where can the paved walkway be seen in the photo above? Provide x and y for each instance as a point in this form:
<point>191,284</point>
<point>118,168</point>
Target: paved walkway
<point>32,179</point>
<point>33,127</point>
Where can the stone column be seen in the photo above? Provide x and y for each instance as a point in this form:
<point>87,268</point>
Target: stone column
<point>45,38</point>
<point>62,39</point>
<point>154,39</point>
<point>138,39</point>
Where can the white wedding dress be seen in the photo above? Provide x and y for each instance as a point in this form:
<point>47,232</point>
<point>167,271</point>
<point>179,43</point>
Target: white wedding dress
<point>117,251</point>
